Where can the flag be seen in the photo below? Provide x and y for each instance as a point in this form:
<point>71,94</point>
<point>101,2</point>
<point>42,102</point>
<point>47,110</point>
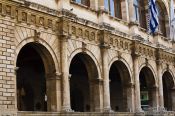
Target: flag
<point>172,21</point>
<point>153,17</point>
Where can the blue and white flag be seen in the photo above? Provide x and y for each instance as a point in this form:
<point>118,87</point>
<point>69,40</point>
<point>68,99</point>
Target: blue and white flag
<point>153,21</point>
<point>172,21</point>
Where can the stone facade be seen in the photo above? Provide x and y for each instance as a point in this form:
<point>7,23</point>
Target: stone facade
<point>72,41</point>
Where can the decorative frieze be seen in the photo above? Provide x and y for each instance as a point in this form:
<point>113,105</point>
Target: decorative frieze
<point>162,55</point>
<point>27,16</point>
<point>142,50</point>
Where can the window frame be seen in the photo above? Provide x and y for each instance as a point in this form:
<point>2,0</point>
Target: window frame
<point>114,8</point>
<point>83,2</point>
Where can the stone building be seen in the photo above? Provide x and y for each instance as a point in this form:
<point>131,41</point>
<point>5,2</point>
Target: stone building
<point>79,57</point>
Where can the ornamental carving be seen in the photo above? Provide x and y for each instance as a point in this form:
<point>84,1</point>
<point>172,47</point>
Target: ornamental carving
<point>33,19</point>
<point>162,55</point>
<point>28,16</point>
<point>41,21</point>
<point>0,8</point>
<point>73,30</point>
<point>8,10</point>
<point>24,16</point>
<point>80,32</point>
<point>86,36</point>
<point>50,23</point>
<point>92,37</point>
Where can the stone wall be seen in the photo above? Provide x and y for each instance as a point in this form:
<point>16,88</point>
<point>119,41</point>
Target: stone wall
<point>7,69</point>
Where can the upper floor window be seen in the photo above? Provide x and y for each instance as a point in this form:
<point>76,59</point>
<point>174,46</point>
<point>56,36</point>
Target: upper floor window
<point>114,7</point>
<point>140,12</point>
<point>84,2</point>
<point>136,9</point>
<point>161,17</point>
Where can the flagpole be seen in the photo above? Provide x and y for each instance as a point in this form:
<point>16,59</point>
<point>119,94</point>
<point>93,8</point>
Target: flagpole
<point>148,21</point>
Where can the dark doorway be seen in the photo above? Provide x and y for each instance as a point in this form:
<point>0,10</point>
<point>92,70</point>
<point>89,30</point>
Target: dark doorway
<point>147,88</point>
<point>31,81</point>
<point>168,84</point>
<point>79,85</point>
<point>83,91</point>
<point>119,81</point>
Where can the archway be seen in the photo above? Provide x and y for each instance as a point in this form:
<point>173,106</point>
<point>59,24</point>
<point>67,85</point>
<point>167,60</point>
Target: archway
<point>34,63</point>
<point>83,83</point>
<point>119,85</point>
<point>168,84</point>
<point>147,88</point>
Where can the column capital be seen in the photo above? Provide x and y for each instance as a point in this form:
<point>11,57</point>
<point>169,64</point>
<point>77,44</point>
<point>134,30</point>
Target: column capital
<point>135,47</point>
<point>159,62</point>
<point>104,46</point>
<point>15,70</point>
<point>98,80</point>
<point>155,88</point>
<point>53,76</point>
<point>130,85</point>
<point>64,37</point>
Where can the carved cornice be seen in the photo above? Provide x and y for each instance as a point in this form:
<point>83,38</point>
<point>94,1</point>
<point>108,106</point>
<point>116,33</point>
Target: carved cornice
<point>140,49</point>
<point>111,40</point>
<point>24,14</point>
<point>163,56</point>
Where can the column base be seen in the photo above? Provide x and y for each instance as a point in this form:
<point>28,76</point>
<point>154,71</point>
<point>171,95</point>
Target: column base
<point>161,109</point>
<point>67,109</point>
<point>107,110</point>
<point>139,112</point>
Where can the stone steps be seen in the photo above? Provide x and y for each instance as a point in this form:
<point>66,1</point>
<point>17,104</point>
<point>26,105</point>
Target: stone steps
<point>75,114</point>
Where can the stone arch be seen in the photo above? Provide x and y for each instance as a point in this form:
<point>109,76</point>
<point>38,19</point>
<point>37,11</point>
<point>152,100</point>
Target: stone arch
<point>85,81</point>
<point>80,50</point>
<point>47,58</point>
<point>170,71</point>
<point>168,90</point>
<point>43,43</point>
<point>148,87</point>
<point>120,86</point>
<point>152,70</point>
<point>125,63</point>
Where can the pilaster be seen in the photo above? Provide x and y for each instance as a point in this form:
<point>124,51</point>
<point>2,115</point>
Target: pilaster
<point>135,56</point>
<point>159,75</point>
<point>105,76</point>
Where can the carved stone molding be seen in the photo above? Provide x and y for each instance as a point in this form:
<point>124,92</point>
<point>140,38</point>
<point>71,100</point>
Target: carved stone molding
<point>163,56</point>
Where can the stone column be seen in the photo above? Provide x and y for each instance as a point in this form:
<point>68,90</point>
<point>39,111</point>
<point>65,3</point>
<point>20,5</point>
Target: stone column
<point>130,97</point>
<point>53,92</point>
<point>173,98</point>
<point>105,75</point>
<point>65,75</point>
<point>137,84</point>
<point>155,98</point>
<point>96,96</point>
<point>160,84</point>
